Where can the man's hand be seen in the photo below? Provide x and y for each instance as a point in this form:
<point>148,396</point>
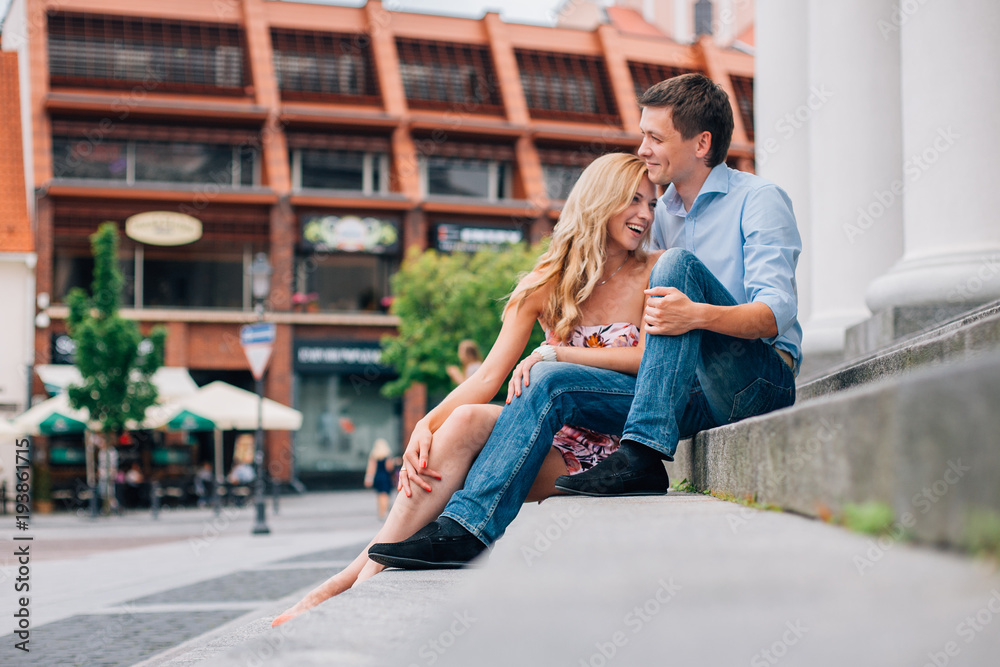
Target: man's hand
<point>670,313</point>
<point>415,460</point>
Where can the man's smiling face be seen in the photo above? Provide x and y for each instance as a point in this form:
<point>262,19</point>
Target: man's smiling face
<point>669,157</point>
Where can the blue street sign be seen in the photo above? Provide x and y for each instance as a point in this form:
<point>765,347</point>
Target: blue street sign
<point>260,332</point>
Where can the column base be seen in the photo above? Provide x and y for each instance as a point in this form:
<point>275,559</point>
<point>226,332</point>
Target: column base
<point>964,279</point>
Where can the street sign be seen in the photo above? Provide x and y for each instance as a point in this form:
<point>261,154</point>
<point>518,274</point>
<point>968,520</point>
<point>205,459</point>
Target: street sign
<point>258,342</point>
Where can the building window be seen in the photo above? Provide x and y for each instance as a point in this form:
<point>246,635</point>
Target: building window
<point>140,161</point>
<point>328,66</point>
<point>743,87</point>
<point>440,75</point>
<point>567,87</point>
<point>122,52</point>
<point>342,417</point>
<point>560,179</point>
<point>466,177</point>
<point>172,278</point>
<point>562,165</point>
<point>322,169</point>
<point>353,282</point>
<point>204,274</point>
<point>645,75</point>
<point>346,261</point>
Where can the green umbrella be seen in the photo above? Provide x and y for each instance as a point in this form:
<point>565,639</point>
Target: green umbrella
<point>57,424</point>
<point>185,420</point>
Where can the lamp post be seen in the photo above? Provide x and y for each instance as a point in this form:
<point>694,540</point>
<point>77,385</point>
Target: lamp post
<point>260,284</point>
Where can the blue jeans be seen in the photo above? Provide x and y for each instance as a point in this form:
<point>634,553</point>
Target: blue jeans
<point>686,383</point>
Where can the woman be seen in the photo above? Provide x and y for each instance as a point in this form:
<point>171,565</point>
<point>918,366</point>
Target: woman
<point>379,475</point>
<point>471,358</point>
<point>587,293</point>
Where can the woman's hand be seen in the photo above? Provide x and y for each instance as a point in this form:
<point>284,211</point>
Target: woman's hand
<point>521,375</point>
<point>415,460</point>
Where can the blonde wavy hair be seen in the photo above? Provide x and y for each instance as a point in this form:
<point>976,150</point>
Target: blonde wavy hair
<point>575,259</point>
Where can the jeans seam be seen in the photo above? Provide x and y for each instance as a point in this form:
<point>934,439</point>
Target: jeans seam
<point>517,468</point>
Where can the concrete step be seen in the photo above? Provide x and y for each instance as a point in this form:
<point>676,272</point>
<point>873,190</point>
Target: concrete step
<point>969,336</point>
<point>636,582</point>
<point>926,443</point>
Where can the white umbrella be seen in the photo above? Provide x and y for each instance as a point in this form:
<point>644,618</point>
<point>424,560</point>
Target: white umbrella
<point>45,417</point>
<point>232,408</point>
<point>171,381</point>
<point>9,430</point>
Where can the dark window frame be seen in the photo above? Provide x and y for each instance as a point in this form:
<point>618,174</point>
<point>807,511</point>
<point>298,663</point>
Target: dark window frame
<point>105,51</point>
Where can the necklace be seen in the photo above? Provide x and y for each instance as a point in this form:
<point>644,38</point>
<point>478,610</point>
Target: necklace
<point>616,271</point>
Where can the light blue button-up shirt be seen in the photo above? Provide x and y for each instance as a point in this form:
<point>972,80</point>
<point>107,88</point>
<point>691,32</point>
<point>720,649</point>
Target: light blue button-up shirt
<point>743,229</point>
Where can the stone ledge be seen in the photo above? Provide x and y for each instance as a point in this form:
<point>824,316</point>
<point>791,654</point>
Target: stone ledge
<point>894,325</point>
<point>925,444</point>
<point>968,337</point>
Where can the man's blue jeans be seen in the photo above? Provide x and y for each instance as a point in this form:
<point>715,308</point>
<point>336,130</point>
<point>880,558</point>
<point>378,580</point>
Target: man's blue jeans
<point>686,383</point>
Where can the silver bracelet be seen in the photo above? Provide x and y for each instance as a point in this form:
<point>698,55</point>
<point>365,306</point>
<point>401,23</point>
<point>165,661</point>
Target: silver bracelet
<point>546,352</point>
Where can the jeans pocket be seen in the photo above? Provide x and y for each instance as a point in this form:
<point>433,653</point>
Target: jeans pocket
<point>760,397</point>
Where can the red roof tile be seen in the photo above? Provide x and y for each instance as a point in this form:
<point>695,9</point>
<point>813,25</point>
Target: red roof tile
<point>15,225</point>
<point>630,21</point>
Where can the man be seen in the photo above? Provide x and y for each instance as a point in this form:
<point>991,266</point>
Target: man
<point>724,341</point>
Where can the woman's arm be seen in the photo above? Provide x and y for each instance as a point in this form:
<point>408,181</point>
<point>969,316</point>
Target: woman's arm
<point>455,373</point>
<point>480,387</point>
<point>619,359</point>
<point>370,472</point>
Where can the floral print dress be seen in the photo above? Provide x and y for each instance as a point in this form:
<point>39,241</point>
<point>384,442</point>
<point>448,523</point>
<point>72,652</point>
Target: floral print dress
<point>581,448</point>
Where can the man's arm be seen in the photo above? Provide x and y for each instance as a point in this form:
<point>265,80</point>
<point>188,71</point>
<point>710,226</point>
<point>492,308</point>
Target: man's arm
<point>670,313</point>
<point>770,252</point>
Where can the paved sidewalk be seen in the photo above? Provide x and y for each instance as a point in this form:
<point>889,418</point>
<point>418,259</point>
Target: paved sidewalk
<point>686,579</point>
<point>118,590</point>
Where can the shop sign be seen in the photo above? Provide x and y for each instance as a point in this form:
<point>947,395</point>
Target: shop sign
<point>462,238</point>
<point>339,356</point>
<point>350,233</point>
<point>165,228</point>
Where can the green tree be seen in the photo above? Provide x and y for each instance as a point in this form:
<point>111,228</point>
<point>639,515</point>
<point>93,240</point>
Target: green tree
<point>114,361</point>
<point>442,299</point>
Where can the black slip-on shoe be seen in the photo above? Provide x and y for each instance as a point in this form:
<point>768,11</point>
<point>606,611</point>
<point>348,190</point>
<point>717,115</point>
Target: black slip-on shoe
<point>441,544</point>
<point>618,475</point>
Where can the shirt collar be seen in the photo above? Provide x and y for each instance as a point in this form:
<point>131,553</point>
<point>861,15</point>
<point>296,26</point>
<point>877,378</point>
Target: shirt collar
<point>717,181</point>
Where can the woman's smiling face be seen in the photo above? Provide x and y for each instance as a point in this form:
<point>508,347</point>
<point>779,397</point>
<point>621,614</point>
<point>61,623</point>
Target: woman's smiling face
<point>628,229</point>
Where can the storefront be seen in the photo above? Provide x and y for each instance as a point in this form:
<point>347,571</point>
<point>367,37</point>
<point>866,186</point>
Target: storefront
<point>338,387</point>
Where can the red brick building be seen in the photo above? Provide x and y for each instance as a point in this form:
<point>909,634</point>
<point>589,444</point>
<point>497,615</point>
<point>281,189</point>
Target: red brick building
<point>330,138</point>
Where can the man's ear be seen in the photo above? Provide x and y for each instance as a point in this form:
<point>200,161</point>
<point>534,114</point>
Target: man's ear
<point>704,144</point>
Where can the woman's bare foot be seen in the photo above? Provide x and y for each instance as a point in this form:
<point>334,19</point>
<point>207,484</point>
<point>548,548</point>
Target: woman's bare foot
<point>335,585</point>
<point>370,569</point>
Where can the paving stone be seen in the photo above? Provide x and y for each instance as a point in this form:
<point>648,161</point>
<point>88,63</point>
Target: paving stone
<point>241,586</point>
<point>109,640</point>
<point>339,555</point>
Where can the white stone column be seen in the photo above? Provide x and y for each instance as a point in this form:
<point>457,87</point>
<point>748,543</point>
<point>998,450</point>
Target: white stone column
<point>951,99</point>
<point>855,171</point>
<point>781,84</point>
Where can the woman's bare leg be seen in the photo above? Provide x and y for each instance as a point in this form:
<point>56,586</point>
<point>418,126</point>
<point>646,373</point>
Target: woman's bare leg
<point>545,483</point>
<point>456,445</point>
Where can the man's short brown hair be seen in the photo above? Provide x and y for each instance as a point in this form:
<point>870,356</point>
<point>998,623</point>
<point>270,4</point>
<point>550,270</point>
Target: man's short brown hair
<point>697,105</point>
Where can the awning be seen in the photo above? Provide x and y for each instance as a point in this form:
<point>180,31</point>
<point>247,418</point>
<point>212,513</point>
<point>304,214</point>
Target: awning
<point>171,381</point>
<point>8,429</point>
<point>185,420</point>
<point>232,408</point>
<point>52,416</point>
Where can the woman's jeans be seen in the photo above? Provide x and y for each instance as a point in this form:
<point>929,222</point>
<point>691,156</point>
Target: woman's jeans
<point>686,383</point>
